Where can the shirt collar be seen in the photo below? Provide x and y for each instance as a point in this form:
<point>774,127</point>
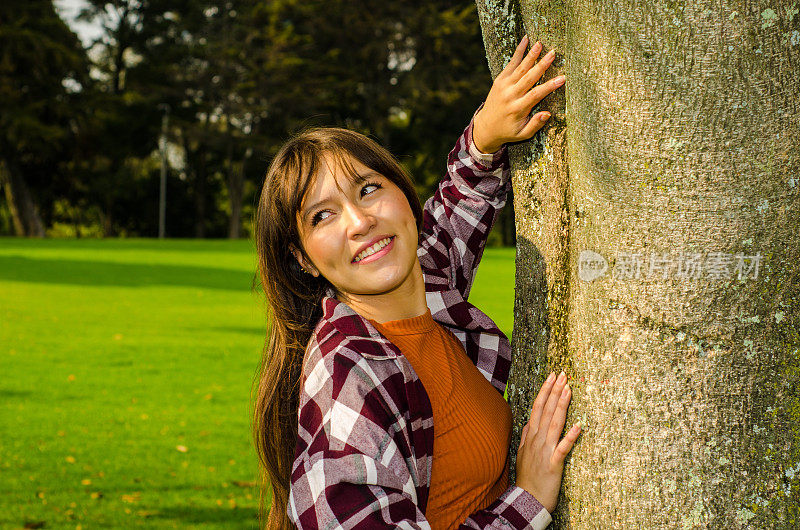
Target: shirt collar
<point>362,336</point>
<point>447,307</point>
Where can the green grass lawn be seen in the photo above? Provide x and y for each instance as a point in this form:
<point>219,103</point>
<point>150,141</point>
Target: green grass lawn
<point>125,375</point>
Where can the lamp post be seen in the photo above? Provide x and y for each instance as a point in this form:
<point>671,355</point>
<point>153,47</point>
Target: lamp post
<point>162,145</point>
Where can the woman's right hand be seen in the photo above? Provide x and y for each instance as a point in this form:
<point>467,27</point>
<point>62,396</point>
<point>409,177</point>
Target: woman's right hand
<point>540,458</point>
<point>505,115</point>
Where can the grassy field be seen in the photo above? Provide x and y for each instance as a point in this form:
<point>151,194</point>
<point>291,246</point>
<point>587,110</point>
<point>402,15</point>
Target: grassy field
<point>125,374</point>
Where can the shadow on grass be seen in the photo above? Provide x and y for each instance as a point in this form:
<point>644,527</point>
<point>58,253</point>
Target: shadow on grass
<point>11,394</point>
<point>184,515</point>
<point>82,272</point>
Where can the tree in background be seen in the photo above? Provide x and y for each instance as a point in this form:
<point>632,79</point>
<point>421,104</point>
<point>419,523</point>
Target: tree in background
<point>42,68</point>
<point>125,98</point>
<point>658,258</point>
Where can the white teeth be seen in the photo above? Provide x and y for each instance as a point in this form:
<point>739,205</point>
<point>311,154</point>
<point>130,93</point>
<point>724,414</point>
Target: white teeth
<point>373,249</point>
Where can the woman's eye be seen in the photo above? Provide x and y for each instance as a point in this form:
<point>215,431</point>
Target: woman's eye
<point>373,184</point>
<point>318,217</point>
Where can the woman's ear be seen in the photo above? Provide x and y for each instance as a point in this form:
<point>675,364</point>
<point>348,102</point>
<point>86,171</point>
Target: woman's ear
<point>305,265</point>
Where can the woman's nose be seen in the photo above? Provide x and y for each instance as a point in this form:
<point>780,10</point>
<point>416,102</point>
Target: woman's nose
<point>359,220</point>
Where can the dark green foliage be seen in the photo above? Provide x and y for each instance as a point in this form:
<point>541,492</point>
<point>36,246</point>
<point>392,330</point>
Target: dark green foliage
<point>42,68</point>
<point>238,78</point>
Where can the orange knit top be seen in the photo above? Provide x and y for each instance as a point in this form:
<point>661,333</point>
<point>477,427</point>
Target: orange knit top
<point>471,421</point>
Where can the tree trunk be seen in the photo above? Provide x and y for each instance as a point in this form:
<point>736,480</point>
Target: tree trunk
<point>24,214</point>
<point>235,193</point>
<point>107,216</point>
<point>658,228</point>
<point>235,185</point>
<point>200,185</point>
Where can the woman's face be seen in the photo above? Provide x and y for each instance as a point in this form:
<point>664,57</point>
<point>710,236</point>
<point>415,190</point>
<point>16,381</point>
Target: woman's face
<point>337,223</point>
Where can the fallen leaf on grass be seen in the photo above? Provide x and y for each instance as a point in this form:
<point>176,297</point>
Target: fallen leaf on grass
<point>131,497</point>
<point>86,482</point>
<point>243,483</point>
<point>97,495</point>
<point>70,459</point>
<point>181,448</point>
<point>34,524</point>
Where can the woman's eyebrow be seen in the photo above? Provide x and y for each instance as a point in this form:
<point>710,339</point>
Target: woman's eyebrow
<point>358,179</point>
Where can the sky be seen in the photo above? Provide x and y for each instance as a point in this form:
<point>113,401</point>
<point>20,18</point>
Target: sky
<point>68,10</point>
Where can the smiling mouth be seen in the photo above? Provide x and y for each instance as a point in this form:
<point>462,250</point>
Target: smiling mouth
<point>362,258</point>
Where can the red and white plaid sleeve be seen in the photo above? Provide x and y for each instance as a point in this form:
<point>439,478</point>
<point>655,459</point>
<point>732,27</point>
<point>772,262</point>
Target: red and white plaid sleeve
<point>458,217</point>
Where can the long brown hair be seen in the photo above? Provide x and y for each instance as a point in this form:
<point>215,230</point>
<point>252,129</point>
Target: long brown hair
<point>293,296</point>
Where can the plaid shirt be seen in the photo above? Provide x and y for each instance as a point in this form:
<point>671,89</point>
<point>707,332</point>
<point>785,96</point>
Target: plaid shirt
<point>365,424</point>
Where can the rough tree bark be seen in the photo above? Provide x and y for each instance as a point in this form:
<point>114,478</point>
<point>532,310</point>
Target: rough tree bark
<point>658,258</point>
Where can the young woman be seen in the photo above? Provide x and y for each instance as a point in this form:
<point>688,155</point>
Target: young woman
<point>380,399</point>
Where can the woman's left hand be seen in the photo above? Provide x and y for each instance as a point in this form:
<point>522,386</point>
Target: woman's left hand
<point>505,113</point>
